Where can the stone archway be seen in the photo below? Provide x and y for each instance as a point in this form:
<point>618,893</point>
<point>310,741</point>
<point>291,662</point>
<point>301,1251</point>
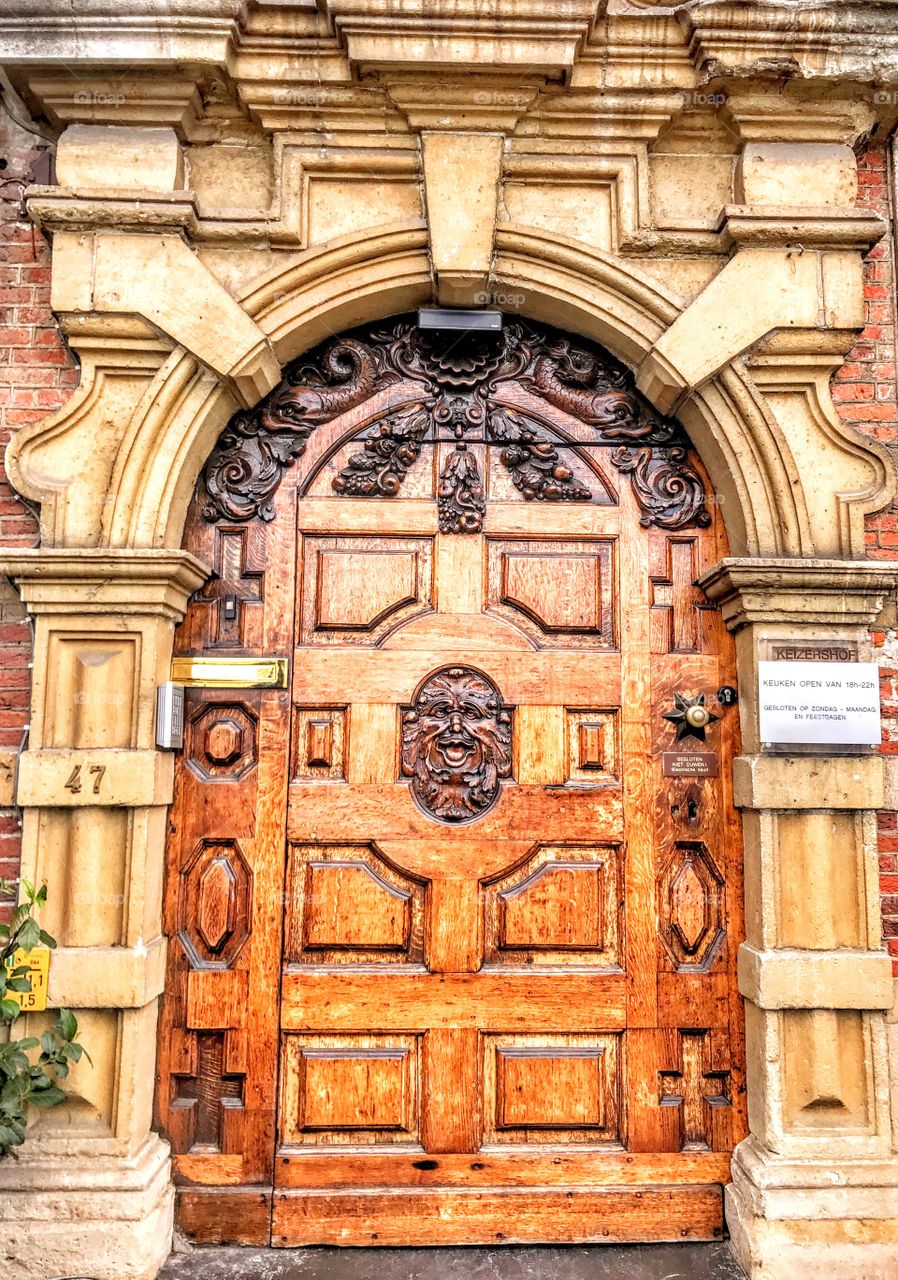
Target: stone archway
<point>761,463</point>
<point>113,473</point>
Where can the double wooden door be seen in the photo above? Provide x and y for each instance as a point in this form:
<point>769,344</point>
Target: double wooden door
<point>452,932</point>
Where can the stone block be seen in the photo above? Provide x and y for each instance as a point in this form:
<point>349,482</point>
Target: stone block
<point>795,173</point>
<point>7,777</point>
<point>461,184</point>
<point>111,1218</point>
<point>808,782</point>
<point>95,778</point>
<point>775,289</point>
<point>817,862</point>
<point>107,977</point>
<point>842,1248</point>
<point>110,156</point>
<point>131,275</point>
<point>792,979</point>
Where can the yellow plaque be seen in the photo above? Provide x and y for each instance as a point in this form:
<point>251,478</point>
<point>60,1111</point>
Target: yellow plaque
<point>38,965</point>
<point>231,673</point>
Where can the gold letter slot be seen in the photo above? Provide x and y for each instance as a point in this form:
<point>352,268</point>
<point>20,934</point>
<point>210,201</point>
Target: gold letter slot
<point>231,673</point>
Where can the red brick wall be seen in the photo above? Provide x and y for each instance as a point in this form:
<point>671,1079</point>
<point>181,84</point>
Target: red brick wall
<point>37,375</point>
<point>865,394</point>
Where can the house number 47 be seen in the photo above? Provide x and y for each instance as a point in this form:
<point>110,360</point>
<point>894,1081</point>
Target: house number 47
<point>75,782</point>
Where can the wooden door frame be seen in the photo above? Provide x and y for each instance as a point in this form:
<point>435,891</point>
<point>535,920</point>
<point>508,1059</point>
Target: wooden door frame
<point>110,572</point>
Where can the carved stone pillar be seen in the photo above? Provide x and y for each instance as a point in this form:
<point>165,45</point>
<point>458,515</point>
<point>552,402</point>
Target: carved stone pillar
<point>814,1186</point>
<point>94,791</point>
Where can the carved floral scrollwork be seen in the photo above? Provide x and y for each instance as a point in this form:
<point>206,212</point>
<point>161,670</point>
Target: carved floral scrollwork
<point>381,466</point>
<point>248,463</point>
<point>461,501</point>
<point>533,461</point>
<point>458,380</point>
<point>456,744</point>
<point>246,467</point>
<point>667,486</point>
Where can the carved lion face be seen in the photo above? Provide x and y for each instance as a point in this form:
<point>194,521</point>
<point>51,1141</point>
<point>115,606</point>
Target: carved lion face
<point>456,744</point>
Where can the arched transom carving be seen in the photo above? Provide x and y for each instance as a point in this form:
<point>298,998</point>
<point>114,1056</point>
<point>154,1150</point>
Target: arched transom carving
<point>499,388</point>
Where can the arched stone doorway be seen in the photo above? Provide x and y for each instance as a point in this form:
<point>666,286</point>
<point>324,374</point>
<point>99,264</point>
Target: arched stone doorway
<point>114,473</point>
<point>493,797</point>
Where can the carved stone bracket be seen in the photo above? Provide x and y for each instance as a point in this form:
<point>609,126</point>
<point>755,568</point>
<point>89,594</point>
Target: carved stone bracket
<point>458,381</point>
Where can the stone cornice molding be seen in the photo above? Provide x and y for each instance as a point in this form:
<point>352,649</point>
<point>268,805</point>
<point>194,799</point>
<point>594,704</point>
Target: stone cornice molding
<point>351,113</point>
<point>642,43</point>
<point>106,32</point>
<point>636,115</point>
<point>839,593</point>
<point>56,209</point>
<point>60,580</point>
<point>476,103</point>
<point>826,227</point>
<point>828,39</point>
<point>796,112</point>
<point>153,98</point>
<point>576,42</point>
<point>527,36</point>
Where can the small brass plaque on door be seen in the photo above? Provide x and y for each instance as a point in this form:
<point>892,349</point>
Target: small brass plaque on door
<point>689,764</point>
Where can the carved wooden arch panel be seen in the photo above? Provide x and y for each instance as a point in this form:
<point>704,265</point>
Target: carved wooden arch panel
<point>464,389</point>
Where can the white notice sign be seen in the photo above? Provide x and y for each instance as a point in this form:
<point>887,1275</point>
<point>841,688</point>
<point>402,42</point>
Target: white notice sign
<point>834,702</point>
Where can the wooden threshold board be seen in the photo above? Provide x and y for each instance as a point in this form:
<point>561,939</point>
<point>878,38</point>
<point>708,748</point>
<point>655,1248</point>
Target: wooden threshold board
<point>510,1215</point>
<point>497,1168</point>
<point>224,1215</point>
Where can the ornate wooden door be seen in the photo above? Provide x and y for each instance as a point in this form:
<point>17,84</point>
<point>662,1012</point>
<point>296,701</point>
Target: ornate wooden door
<point>452,955</point>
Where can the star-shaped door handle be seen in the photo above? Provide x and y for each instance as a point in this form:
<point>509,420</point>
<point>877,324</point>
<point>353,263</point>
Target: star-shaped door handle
<point>690,716</point>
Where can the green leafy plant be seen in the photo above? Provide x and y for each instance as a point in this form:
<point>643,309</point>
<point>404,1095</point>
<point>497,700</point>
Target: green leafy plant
<point>26,1081</point>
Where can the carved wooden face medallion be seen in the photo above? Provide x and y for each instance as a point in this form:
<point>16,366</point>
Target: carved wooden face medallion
<point>456,744</point>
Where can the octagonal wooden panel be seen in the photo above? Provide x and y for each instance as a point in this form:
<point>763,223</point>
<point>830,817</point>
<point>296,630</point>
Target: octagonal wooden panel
<point>214,904</point>
<point>691,913</point>
<point>220,741</point>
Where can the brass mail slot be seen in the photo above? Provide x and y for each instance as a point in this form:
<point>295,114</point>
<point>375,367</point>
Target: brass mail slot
<point>231,673</point>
